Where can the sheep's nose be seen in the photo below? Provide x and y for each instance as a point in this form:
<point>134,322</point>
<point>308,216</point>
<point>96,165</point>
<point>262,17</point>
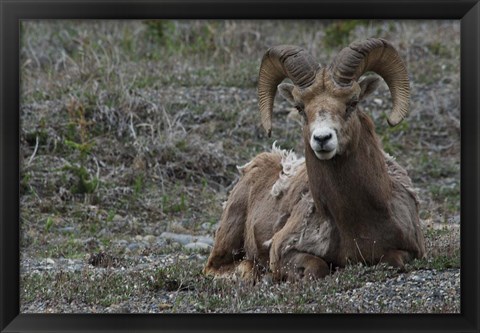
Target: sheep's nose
<point>322,139</point>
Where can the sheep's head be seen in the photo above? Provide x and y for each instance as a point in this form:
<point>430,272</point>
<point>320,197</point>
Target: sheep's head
<point>327,97</point>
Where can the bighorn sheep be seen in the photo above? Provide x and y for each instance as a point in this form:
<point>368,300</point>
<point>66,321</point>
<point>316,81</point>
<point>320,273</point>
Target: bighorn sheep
<point>347,201</point>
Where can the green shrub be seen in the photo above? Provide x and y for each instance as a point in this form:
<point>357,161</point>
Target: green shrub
<point>177,39</point>
<point>160,31</point>
<point>338,33</point>
<point>77,129</point>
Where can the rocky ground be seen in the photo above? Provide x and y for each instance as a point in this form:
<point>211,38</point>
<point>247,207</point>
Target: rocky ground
<point>147,285</point>
<point>130,137</point>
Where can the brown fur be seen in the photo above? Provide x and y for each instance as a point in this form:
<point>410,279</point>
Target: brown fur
<point>358,206</point>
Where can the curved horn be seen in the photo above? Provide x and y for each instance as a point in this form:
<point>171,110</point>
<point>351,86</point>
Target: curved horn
<point>379,56</point>
<point>278,63</point>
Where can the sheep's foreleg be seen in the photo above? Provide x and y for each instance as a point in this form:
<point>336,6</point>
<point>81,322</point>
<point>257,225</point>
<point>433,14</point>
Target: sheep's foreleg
<point>229,237</point>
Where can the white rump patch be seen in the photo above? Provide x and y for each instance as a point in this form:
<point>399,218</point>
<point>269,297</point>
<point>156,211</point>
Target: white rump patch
<point>290,163</point>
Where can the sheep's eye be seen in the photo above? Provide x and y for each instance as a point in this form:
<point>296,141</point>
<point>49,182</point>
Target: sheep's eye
<point>301,109</point>
<point>352,105</point>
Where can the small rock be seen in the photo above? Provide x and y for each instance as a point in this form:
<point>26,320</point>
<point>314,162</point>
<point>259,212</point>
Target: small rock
<point>149,238</point>
<point>164,306</point>
<point>50,261</point>
<point>378,101</point>
<point>122,242</point>
<point>118,218</point>
<point>179,238</point>
<point>104,232</point>
<point>77,267</point>
<point>133,246</point>
<point>67,230</point>
<point>455,219</point>
<point>416,278</point>
<point>197,246</point>
<point>185,239</point>
<point>209,226</point>
<point>117,308</point>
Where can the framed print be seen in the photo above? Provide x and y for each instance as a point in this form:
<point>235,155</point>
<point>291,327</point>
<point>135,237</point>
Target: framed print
<point>153,179</point>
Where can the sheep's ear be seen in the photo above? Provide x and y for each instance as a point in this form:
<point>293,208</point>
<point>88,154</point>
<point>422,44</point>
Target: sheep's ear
<point>368,85</point>
<point>285,89</point>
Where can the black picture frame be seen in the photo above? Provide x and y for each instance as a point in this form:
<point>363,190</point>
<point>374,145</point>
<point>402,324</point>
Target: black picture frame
<point>11,12</point>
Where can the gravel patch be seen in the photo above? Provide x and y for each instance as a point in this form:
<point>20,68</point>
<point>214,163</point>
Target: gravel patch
<point>419,291</point>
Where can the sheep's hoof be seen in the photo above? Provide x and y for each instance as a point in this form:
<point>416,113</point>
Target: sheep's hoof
<point>396,258</point>
<point>306,266</point>
<point>243,271</point>
<point>222,271</point>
